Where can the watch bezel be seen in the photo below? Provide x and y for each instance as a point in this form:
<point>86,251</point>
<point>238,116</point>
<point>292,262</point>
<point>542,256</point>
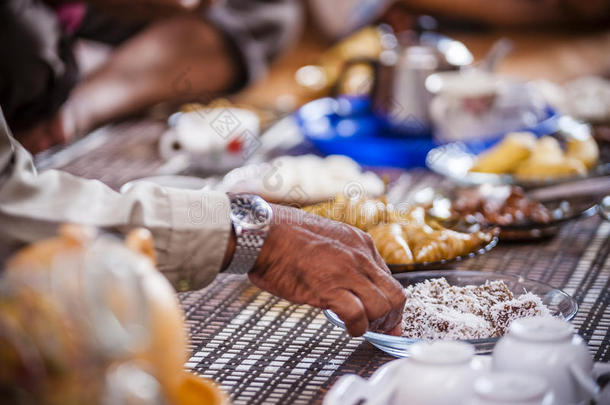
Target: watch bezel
<point>258,203</point>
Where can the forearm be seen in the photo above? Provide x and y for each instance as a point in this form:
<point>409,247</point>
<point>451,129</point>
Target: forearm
<point>513,12</point>
<point>140,10</point>
<point>191,228</point>
<point>178,60</point>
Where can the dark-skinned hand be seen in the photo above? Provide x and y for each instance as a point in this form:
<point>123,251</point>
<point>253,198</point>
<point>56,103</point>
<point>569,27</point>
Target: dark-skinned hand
<point>311,260</point>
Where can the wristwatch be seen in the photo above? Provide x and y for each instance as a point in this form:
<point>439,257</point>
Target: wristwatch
<point>251,217</point>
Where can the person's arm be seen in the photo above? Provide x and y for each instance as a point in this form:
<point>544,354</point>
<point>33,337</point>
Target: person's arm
<point>142,10</point>
<point>191,228</point>
<point>305,259</point>
<point>515,12</point>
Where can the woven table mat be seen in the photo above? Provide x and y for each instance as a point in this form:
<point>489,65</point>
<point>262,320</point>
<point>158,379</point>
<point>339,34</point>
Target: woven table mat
<point>262,349</point>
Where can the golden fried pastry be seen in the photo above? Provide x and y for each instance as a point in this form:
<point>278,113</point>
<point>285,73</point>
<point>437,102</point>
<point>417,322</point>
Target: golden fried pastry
<point>568,167</point>
<point>585,150</point>
<point>446,244</point>
<point>362,213</point>
<point>400,237</point>
<point>425,239</point>
<point>548,161</point>
<point>547,150</point>
<point>391,244</point>
<point>506,156</point>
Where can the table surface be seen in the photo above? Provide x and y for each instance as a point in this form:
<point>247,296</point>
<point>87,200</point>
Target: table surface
<point>263,349</point>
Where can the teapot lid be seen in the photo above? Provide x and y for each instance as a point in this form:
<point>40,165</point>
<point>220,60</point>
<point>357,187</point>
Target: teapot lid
<point>541,329</point>
<point>442,352</point>
<point>510,387</point>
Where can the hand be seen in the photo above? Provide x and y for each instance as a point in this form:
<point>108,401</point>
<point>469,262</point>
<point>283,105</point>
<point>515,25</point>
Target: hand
<point>45,134</point>
<point>307,259</point>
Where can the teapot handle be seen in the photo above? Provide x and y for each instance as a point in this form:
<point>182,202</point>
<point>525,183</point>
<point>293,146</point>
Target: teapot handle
<point>585,381</point>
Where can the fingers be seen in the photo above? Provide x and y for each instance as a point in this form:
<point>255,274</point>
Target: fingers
<point>350,310</point>
<point>396,331</point>
<point>381,276</point>
<point>386,306</point>
<point>376,304</point>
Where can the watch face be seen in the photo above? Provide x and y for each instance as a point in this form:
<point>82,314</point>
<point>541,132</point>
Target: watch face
<point>250,211</point>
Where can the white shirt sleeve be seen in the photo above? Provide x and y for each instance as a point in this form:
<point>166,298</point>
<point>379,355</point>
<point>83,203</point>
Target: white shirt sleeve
<point>191,228</point>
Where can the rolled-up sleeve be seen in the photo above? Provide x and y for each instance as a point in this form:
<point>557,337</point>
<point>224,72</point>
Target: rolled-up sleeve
<point>191,228</point>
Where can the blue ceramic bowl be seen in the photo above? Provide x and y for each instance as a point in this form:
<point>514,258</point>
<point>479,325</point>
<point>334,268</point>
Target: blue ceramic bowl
<point>347,126</point>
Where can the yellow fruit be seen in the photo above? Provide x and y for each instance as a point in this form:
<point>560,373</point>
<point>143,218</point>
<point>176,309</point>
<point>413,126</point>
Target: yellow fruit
<point>585,150</point>
<point>504,157</point>
<point>541,170</point>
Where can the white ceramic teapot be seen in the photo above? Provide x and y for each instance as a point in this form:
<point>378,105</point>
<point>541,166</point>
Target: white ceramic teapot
<point>436,373</point>
<point>548,347</point>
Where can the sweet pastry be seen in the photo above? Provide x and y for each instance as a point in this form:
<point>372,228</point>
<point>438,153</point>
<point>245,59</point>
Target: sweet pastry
<point>528,158</point>
<point>412,243</point>
<point>362,213</point>
<point>585,150</point>
<point>549,161</point>
<point>498,205</point>
<point>444,244</point>
<point>392,244</point>
<point>401,237</point>
<point>434,309</point>
<point>506,156</point>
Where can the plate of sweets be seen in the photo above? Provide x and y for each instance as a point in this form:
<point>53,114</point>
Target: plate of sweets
<point>522,158</point>
<point>517,213</point>
<point>407,239</point>
<point>469,306</point>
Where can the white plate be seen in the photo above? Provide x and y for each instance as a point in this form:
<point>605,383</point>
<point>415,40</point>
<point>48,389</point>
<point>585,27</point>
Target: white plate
<point>172,181</point>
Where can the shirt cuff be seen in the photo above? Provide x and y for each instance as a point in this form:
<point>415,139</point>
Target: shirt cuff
<point>200,230</point>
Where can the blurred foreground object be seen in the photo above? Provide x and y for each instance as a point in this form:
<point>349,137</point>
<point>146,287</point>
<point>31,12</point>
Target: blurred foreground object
<point>88,319</point>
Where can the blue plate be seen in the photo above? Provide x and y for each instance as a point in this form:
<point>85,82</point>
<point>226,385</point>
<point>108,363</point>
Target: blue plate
<point>347,126</point>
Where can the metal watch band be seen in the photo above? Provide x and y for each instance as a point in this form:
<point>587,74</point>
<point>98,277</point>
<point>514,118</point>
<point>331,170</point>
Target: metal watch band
<point>247,248</point>
<point>251,218</point>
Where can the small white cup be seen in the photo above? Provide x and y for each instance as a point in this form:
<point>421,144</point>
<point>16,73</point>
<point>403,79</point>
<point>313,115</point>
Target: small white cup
<point>548,347</point>
<point>436,373</point>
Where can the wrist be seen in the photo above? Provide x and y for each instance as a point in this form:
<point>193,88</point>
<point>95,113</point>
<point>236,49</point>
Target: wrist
<point>230,249</point>
<point>251,217</point>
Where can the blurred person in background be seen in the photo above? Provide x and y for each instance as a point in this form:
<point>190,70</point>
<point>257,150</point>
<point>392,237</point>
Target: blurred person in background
<point>183,50</point>
<point>339,18</point>
<point>166,51</point>
<point>518,13</point>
